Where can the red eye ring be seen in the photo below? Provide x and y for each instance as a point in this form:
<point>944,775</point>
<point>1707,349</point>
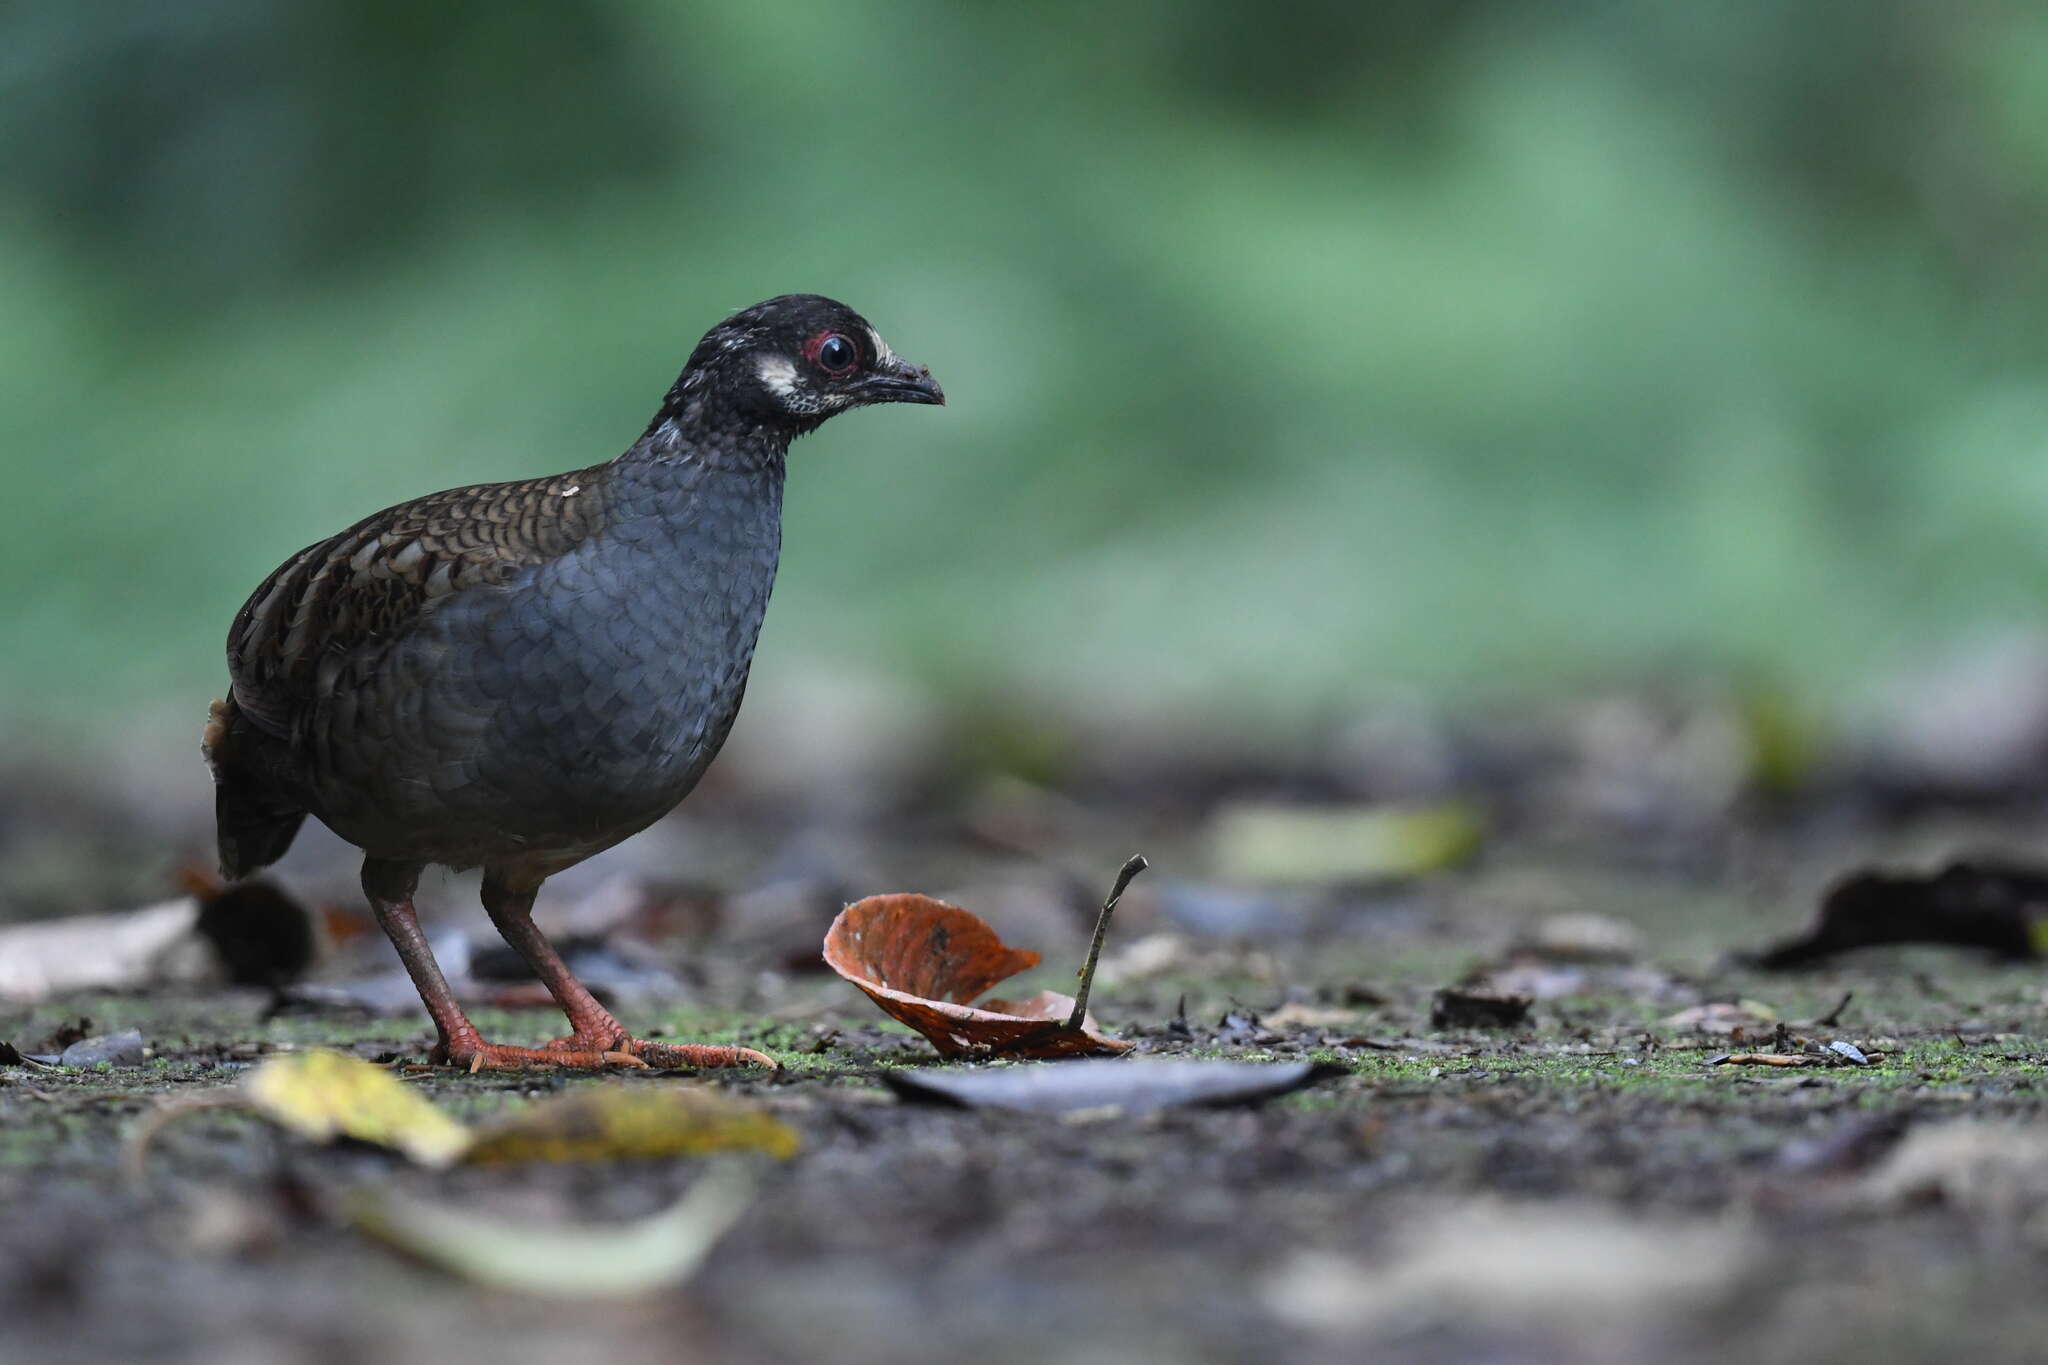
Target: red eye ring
<point>832,352</point>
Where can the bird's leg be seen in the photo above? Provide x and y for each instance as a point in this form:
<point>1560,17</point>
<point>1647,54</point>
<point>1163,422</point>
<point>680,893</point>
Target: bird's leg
<point>390,886</point>
<point>594,1028</point>
<point>597,1038</point>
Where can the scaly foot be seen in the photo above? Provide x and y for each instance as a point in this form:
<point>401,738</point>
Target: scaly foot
<point>594,1054</point>
<point>663,1056</point>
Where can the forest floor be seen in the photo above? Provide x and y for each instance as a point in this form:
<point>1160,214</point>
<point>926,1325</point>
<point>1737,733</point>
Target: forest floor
<point>1595,1182</point>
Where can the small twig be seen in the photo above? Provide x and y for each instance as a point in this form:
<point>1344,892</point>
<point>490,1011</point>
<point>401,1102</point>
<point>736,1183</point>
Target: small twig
<point>1834,1016</point>
<point>1131,869</point>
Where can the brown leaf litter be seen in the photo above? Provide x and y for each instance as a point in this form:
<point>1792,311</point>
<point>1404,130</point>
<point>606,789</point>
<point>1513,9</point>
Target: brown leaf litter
<point>1999,907</point>
<point>924,962</point>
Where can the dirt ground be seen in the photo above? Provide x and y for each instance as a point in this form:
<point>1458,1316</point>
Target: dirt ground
<point>1589,1185</point>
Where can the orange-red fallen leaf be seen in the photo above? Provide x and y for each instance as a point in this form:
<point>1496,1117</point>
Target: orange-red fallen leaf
<point>923,961</point>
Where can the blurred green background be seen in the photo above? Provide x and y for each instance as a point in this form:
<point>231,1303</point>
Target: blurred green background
<point>1300,355</point>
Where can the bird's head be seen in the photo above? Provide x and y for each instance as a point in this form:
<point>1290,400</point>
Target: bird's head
<point>796,360</point>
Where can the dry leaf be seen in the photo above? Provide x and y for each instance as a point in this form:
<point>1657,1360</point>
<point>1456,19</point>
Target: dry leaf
<point>614,1261</point>
<point>125,1049</point>
<point>251,933</point>
<point>609,1123</point>
<point>1999,907</point>
<point>120,951</point>
<point>1456,1008</point>
<point>1306,845</point>
<point>1134,1087</point>
<point>922,961</point>
<point>325,1095</point>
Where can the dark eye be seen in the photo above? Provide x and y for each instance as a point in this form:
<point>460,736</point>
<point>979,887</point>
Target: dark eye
<point>836,354</point>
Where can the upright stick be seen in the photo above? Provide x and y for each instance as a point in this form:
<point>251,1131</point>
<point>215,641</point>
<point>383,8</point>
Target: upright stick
<point>1131,869</point>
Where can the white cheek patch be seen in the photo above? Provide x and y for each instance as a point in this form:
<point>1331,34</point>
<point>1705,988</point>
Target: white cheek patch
<point>778,375</point>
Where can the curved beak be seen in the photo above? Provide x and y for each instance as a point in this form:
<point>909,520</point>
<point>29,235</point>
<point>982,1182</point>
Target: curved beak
<point>902,382</point>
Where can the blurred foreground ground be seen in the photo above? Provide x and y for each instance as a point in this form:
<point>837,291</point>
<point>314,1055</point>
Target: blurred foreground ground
<point>1586,1185</point>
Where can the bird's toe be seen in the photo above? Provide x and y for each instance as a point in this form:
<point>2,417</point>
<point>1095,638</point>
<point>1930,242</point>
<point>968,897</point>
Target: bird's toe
<point>599,1055</point>
<point>700,1055</point>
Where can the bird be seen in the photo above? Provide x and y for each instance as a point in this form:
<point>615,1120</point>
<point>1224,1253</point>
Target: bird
<point>516,676</point>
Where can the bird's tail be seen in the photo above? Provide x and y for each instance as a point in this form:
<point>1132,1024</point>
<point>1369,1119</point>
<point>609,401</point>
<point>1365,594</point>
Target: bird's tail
<point>253,822</point>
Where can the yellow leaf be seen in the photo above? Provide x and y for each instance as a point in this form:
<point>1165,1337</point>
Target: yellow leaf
<point>1311,845</point>
<point>615,1122</point>
<point>325,1095</point>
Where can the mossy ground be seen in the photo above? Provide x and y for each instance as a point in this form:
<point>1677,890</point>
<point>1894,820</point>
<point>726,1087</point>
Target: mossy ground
<point>907,1233</point>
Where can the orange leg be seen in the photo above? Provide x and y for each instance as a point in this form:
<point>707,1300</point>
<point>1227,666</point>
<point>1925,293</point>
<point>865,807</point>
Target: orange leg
<point>598,1040</point>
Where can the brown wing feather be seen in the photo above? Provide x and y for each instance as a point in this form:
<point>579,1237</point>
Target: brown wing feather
<point>367,585</point>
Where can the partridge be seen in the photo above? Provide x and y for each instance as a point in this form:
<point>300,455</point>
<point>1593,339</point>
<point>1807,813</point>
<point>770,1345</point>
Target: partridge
<point>515,676</point>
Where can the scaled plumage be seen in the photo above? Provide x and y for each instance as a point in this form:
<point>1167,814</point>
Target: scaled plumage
<point>518,675</point>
